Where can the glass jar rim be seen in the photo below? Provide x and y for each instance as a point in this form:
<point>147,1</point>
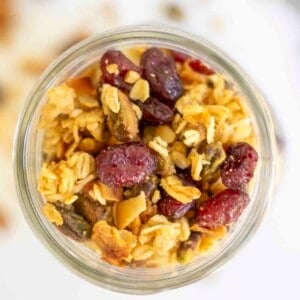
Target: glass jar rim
<point>216,58</point>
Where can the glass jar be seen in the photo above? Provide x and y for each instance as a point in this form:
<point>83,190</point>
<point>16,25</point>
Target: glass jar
<point>28,161</point>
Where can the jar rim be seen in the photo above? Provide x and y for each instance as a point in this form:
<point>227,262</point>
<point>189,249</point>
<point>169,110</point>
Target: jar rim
<point>184,41</point>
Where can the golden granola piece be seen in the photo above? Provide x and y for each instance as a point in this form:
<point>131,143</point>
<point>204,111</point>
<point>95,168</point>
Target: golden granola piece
<point>156,196</point>
<point>128,210</point>
<point>166,133</point>
<point>55,106</point>
<point>115,245</point>
<point>111,193</point>
<point>112,69</point>
<point>140,90</point>
<point>82,85</point>
<point>160,146</point>
<point>52,214</point>
<point>131,77</point>
<point>124,124</point>
<point>110,99</point>
<point>184,194</point>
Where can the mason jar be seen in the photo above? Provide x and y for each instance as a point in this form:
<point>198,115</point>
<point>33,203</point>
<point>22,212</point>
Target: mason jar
<point>28,161</point>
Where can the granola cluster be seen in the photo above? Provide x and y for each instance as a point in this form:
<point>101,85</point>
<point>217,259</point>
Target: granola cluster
<point>135,154</point>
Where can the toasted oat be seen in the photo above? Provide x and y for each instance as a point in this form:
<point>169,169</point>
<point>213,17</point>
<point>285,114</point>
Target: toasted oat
<point>159,146</point>
<point>184,194</point>
<point>52,214</point>
<point>210,130</point>
<point>191,137</point>
<point>140,90</point>
<point>131,77</point>
<point>55,107</point>
<point>196,163</point>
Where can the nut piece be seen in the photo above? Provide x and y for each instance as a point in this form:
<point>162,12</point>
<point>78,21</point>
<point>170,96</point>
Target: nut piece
<point>131,77</point>
<point>197,162</point>
<point>115,245</point>
<point>128,210</point>
<point>166,133</point>
<point>112,69</point>
<point>174,188</point>
<point>186,250</point>
<point>124,124</point>
<point>52,214</point>
<point>74,226</point>
<point>140,90</point>
<point>156,196</point>
<point>109,98</point>
<point>111,193</point>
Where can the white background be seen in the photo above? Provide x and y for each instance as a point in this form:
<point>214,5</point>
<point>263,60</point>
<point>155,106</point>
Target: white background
<point>264,37</point>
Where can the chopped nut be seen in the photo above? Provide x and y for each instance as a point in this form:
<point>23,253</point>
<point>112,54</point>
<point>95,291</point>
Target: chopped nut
<point>156,196</point>
<point>131,77</point>
<point>124,124</point>
<point>186,250</point>
<point>159,146</point>
<point>128,210</point>
<point>138,111</point>
<point>110,99</point>
<point>112,69</point>
<point>140,90</point>
<point>52,214</point>
<point>184,194</point>
<point>166,133</point>
<point>111,193</point>
<point>89,145</point>
<point>74,226</point>
<point>115,245</point>
<point>180,160</point>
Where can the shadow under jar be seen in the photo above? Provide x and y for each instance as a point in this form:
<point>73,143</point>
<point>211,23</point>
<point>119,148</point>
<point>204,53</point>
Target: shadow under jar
<point>28,160</point>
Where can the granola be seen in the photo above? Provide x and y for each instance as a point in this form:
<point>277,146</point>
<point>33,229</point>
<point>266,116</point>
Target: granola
<point>149,167</point>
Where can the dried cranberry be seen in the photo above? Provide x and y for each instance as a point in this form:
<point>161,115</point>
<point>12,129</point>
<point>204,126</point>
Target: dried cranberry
<point>172,208</point>
<point>198,66</point>
<point>124,65</point>
<point>161,73</point>
<point>239,165</point>
<point>179,56</point>
<point>222,209</point>
<point>125,165</point>
<point>156,112</point>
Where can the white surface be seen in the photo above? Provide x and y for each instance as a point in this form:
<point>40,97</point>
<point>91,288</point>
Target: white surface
<point>264,37</point>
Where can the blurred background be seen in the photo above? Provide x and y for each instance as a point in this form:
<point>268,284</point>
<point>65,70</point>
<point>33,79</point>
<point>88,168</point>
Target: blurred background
<point>263,36</point>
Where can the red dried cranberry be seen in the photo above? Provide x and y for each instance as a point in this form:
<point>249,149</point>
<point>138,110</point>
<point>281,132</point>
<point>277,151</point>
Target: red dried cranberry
<point>198,66</point>
<point>124,65</point>
<point>156,112</point>
<point>172,208</point>
<point>161,73</point>
<point>222,209</point>
<point>179,56</point>
<point>239,165</point>
<point>125,165</point>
